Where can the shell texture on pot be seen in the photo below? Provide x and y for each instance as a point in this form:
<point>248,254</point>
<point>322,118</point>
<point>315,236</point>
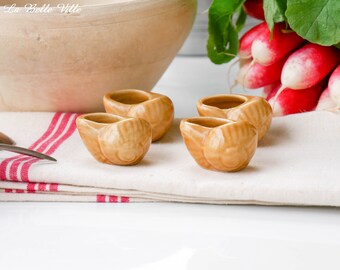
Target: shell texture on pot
<point>231,148</point>
<point>156,109</point>
<point>220,144</point>
<point>113,139</point>
<point>256,110</point>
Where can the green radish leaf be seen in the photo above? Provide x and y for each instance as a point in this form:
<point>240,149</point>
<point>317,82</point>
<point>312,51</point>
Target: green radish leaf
<point>274,12</point>
<point>225,54</point>
<point>223,34</point>
<point>241,19</point>
<point>315,20</point>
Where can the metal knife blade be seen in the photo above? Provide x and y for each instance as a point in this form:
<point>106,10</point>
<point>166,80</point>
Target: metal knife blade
<point>24,151</point>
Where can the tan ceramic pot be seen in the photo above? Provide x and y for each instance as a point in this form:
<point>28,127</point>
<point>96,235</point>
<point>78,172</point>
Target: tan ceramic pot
<point>114,139</point>
<point>157,109</point>
<point>219,144</point>
<point>255,110</point>
<point>66,62</point>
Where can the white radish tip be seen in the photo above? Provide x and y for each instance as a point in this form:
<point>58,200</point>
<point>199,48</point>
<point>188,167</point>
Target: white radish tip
<point>325,102</point>
<point>243,74</point>
<point>277,111</point>
<point>282,88</point>
<point>259,51</point>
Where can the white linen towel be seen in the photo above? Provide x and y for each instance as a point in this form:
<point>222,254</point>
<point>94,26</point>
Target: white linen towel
<point>298,163</point>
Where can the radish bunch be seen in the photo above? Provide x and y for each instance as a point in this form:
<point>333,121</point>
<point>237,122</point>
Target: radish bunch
<point>293,72</point>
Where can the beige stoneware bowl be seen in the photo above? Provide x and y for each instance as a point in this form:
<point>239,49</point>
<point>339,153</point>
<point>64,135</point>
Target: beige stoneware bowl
<point>67,61</point>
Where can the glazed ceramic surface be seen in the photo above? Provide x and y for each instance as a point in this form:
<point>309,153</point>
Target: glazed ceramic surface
<point>157,109</point>
<point>113,139</point>
<point>67,61</point>
<point>219,144</point>
<point>255,110</point>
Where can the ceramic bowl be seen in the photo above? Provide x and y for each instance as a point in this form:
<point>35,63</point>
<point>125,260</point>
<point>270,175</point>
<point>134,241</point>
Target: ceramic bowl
<point>52,60</point>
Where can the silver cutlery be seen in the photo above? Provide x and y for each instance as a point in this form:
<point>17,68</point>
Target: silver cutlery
<point>7,144</point>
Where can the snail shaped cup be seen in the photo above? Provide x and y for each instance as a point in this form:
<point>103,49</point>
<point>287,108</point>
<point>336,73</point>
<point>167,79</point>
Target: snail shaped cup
<point>256,110</point>
<point>219,144</point>
<point>114,139</point>
<point>155,108</point>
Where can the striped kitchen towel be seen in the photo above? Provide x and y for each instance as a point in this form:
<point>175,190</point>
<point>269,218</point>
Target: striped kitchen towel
<point>296,164</point>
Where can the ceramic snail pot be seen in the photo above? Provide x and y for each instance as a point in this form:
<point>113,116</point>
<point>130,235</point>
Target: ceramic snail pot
<point>157,109</point>
<point>114,139</point>
<point>255,110</point>
<point>67,61</point>
<point>219,144</point>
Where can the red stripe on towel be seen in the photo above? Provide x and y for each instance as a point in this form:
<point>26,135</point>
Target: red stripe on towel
<point>42,187</point>
<point>31,187</point>
<point>4,163</point>
<point>14,167</point>
<point>69,132</point>
<point>8,190</point>
<point>23,172</point>
<point>124,199</point>
<point>40,147</point>
<point>51,127</point>
<point>54,187</point>
<point>113,199</point>
<point>60,137</point>
<point>101,198</point>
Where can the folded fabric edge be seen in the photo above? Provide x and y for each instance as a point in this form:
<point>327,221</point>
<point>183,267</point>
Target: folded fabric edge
<point>14,196</point>
<point>45,188</point>
<point>19,191</point>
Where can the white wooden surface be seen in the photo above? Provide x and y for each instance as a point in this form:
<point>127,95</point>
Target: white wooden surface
<point>170,236</point>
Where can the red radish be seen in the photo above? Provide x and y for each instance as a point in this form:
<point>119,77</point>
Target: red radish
<point>325,101</point>
<point>334,86</point>
<point>291,101</point>
<point>248,38</point>
<point>254,8</point>
<point>266,51</point>
<point>268,89</point>
<point>245,45</point>
<point>308,66</point>
<point>253,75</point>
